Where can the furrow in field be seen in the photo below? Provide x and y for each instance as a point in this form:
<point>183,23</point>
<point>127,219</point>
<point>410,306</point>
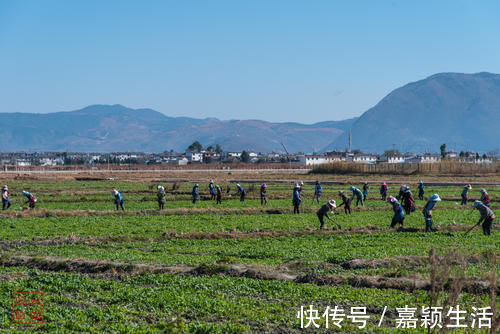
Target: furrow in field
<point>118,270</point>
<point>217,235</point>
<point>186,211</point>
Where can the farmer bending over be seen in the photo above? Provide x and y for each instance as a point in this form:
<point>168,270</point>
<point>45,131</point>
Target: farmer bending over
<point>359,196</point>
<point>399,216</point>
<point>323,211</point>
<point>118,200</point>
<point>346,202</point>
<point>31,199</point>
<point>241,192</point>
<point>487,216</point>
<point>427,212</point>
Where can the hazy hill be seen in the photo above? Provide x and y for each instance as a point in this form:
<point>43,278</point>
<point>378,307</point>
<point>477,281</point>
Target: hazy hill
<point>105,128</point>
<point>461,110</point>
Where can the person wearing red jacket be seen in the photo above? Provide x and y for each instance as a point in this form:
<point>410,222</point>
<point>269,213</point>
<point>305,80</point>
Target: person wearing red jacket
<point>485,198</point>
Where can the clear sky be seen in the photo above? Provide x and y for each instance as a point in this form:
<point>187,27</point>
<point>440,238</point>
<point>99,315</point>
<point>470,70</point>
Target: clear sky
<point>274,60</point>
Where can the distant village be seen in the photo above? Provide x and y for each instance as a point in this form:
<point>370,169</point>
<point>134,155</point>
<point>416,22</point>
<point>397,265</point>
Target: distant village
<point>212,156</point>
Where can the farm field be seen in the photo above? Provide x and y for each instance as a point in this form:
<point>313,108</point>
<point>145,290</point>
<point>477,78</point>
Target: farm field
<point>238,267</point>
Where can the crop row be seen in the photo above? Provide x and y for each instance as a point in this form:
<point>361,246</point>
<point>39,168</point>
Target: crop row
<point>307,249</point>
<point>150,303</point>
<point>154,226</point>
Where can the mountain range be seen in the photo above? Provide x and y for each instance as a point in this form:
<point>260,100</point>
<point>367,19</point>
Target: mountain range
<point>115,128</point>
<point>461,110</point>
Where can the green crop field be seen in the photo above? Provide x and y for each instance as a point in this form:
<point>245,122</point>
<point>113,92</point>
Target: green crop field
<point>239,267</point>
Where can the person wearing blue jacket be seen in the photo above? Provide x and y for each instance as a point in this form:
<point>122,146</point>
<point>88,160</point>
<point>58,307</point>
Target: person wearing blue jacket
<point>365,190</point>
<point>399,215</point>
<point>359,196</point>
<point>118,200</point>
<point>421,191</point>
<point>242,192</point>
<point>212,190</point>
<point>297,199</point>
<point>427,212</point>
<point>465,194</point>
<point>5,197</point>
<point>317,192</point>
<point>194,193</point>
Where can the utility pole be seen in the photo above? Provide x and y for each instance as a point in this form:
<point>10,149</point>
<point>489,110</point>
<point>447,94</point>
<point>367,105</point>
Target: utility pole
<point>350,141</point>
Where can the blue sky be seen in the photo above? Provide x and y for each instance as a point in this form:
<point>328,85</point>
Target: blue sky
<point>292,60</point>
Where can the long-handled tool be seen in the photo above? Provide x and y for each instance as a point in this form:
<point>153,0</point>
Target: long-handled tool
<point>473,227</point>
<point>333,221</point>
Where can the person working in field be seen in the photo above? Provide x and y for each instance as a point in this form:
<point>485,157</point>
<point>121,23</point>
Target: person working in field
<point>365,191</point>
<point>31,199</point>
<point>401,191</point>
<point>263,194</point>
<point>317,191</point>
<point>485,198</point>
<point>211,187</point>
<point>399,216</point>
<point>118,200</point>
<point>346,202</point>
<point>359,196</point>
<point>427,212</point>
<point>241,191</point>
<point>296,199</point>
<point>5,197</point>
<point>301,187</point>
<point>218,191</point>
<point>421,190</point>
<point>465,194</point>
<point>323,211</point>
<point>407,200</point>
<point>487,216</point>
<point>383,191</point>
<point>161,197</point>
<point>194,193</point>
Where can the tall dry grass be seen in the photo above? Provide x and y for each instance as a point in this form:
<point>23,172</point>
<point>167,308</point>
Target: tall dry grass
<point>445,167</point>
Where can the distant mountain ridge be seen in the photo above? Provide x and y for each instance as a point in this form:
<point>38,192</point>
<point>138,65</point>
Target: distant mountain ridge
<point>460,110</point>
<point>112,128</point>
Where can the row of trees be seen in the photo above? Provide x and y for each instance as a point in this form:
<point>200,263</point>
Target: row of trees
<point>198,147</point>
<point>444,153</point>
<point>462,154</point>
